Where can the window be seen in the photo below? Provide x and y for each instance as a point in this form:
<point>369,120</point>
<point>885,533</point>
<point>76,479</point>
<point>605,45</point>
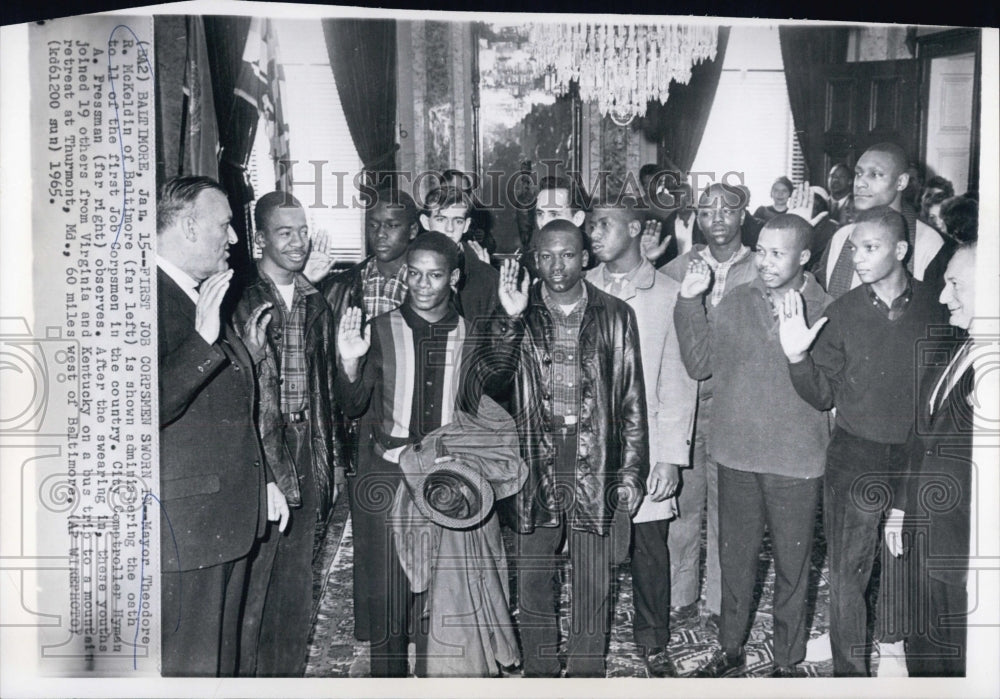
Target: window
<point>750,129</point>
<point>317,130</point>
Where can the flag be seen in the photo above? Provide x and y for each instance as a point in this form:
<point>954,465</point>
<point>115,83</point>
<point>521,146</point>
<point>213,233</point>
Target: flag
<point>262,84</point>
<point>200,133</point>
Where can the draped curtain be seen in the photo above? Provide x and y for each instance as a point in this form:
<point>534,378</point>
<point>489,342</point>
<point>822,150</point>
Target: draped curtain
<point>802,54</point>
<point>679,125</point>
<point>226,38</point>
<point>363,57</point>
<point>806,52</point>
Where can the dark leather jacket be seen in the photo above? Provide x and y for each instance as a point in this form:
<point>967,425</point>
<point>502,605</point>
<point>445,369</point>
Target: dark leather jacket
<point>320,346</point>
<point>341,291</point>
<point>612,437</point>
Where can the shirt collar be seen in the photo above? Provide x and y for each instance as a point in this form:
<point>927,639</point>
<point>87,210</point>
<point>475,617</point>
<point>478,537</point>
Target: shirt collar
<point>705,253</point>
<point>416,321</point>
<point>553,305</point>
<point>302,285</point>
<point>184,280</point>
<point>897,303</point>
<point>372,270</point>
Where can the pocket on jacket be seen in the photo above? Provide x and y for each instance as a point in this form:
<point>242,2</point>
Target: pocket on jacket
<point>190,486</point>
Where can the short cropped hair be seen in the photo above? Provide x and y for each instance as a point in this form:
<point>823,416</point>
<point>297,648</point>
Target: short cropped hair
<point>961,218</point>
<point>441,198</point>
<point>633,209</point>
<point>895,152</point>
<point>886,218</point>
<point>796,224</point>
<point>734,196</point>
<point>432,241</point>
<point>177,194</point>
<point>577,197</point>
<point>466,177</point>
<point>393,196</point>
<point>268,203</point>
<point>562,226</point>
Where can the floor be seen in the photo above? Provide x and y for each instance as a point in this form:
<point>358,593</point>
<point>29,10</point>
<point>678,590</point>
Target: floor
<point>333,649</point>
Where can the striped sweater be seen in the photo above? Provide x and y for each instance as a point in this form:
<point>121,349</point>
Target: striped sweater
<point>410,379</point>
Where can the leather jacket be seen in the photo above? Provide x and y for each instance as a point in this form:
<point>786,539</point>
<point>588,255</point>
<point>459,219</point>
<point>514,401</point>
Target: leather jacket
<point>342,291</point>
<point>320,345</point>
<point>612,435</point>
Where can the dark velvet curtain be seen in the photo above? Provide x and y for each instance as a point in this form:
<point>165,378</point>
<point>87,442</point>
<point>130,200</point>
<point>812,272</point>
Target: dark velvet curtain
<point>678,125</point>
<point>806,52</point>
<point>226,38</point>
<point>363,57</point>
<point>803,54</point>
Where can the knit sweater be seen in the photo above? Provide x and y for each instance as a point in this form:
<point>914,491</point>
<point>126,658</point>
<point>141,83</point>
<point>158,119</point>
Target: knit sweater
<point>866,365</point>
<point>759,422</point>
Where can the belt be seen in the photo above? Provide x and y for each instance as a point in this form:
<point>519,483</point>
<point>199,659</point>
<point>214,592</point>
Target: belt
<point>391,455</point>
<point>297,416</point>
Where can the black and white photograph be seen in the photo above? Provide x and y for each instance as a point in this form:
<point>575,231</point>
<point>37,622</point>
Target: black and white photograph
<point>356,346</point>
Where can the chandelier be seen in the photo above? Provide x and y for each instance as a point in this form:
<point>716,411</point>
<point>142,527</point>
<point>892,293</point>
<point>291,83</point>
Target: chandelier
<point>620,67</point>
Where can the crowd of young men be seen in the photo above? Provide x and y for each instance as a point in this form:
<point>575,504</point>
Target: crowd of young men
<point>732,386</point>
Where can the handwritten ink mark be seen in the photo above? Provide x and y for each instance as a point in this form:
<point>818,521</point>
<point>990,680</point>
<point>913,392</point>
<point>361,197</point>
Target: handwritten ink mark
<point>142,573</point>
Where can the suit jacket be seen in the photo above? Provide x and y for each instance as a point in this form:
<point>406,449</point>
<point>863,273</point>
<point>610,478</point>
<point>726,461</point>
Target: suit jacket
<point>939,483</point>
<point>212,471</point>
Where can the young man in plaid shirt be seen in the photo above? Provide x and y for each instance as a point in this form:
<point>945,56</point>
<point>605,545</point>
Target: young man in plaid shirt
<point>296,424</point>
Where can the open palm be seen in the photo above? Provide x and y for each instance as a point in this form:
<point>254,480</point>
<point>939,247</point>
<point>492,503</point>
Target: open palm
<point>794,333</point>
<point>351,343</point>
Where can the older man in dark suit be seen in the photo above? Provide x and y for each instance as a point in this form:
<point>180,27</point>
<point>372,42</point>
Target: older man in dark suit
<point>212,472</point>
<point>936,528</point>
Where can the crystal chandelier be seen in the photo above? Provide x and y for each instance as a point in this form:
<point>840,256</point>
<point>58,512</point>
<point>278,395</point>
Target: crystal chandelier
<point>622,66</point>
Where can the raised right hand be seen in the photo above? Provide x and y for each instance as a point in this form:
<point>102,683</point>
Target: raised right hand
<point>320,261</point>
<point>697,279</point>
<point>650,244</point>
<point>796,337</point>
<point>206,311</point>
<point>351,344</point>
<point>513,298</point>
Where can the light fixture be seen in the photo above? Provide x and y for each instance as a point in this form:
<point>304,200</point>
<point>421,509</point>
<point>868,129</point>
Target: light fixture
<point>621,67</point>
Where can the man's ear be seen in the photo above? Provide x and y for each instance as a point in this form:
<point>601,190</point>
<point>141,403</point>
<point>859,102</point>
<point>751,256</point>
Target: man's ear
<point>190,227</point>
<point>578,218</point>
<point>743,216</point>
<point>258,239</point>
<point>804,257</point>
<point>902,247</point>
<point>425,221</point>
<point>902,181</point>
<point>455,274</point>
<point>468,223</point>
<point>634,228</point>
<point>585,257</point>
<point>415,228</point>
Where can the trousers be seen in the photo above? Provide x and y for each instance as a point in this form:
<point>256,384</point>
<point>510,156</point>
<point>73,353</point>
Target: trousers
<point>650,586</point>
<point>698,498</point>
<point>855,503</point>
<point>200,620</point>
<point>748,501</point>
<point>538,586</point>
<point>278,615</point>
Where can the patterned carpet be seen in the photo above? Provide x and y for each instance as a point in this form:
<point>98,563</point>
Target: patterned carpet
<point>333,648</point>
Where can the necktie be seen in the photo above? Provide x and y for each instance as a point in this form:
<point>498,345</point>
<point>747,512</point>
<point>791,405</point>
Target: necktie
<point>843,272</point>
